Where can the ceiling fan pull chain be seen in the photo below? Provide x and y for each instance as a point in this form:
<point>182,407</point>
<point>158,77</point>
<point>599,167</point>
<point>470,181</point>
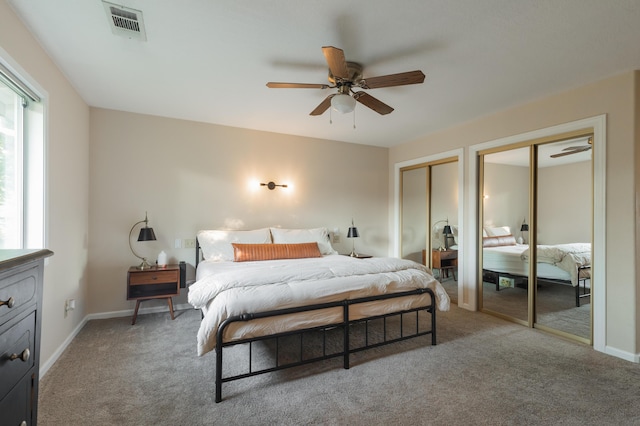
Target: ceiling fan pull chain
<point>330,116</point>
<point>354,118</point>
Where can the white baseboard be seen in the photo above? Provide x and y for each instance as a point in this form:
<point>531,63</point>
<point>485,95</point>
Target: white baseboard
<point>627,356</point>
<point>45,366</point>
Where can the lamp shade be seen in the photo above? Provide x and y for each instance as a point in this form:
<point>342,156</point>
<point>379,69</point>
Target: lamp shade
<point>353,232</point>
<point>524,227</point>
<point>146,234</point>
<point>343,103</point>
<point>447,230</point>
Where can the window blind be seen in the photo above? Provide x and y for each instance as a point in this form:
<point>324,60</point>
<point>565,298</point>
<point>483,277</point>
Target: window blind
<point>17,85</point>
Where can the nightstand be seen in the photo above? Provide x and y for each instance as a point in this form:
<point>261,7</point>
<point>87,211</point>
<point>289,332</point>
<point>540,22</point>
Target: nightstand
<point>445,261</point>
<point>154,283</point>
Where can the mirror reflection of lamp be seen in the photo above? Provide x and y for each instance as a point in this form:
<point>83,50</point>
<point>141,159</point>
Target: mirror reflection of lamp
<point>523,228</point>
<point>446,233</point>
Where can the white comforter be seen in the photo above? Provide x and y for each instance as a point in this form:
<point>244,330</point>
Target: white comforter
<point>568,257</point>
<point>249,287</point>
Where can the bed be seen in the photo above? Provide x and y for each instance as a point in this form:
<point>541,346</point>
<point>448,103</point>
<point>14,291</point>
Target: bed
<point>568,264</point>
<point>273,283</point>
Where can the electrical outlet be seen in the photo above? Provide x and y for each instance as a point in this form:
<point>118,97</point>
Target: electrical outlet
<point>69,305</point>
<point>190,243</point>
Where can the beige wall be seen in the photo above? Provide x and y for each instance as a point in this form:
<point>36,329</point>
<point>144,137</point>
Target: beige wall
<point>67,180</point>
<point>564,203</point>
<point>507,189</point>
<point>190,176</point>
<point>614,97</point>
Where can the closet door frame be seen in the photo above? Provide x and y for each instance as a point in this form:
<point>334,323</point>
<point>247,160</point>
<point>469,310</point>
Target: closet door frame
<point>465,298</point>
<point>597,126</point>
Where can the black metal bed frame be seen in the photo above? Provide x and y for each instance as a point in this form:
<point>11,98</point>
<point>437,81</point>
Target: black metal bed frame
<point>345,325</point>
<point>578,296</point>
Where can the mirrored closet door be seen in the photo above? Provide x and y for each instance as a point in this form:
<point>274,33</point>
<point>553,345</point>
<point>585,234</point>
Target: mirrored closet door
<point>538,194</point>
<point>505,209</point>
<point>429,214</point>
<point>563,234</point>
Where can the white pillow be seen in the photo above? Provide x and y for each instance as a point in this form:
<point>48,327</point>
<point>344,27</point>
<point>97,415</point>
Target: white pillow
<point>317,235</point>
<point>499,231</point>
<point>216,244</point>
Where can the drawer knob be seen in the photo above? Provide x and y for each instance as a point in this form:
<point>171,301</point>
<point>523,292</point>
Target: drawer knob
<point>10,303</point>
<point>24,356</point>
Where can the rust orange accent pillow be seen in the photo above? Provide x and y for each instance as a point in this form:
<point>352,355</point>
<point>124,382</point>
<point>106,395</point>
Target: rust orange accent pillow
<point>248,252</point>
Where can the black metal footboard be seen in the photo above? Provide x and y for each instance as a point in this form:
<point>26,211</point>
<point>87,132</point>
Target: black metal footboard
<point>345,325</point>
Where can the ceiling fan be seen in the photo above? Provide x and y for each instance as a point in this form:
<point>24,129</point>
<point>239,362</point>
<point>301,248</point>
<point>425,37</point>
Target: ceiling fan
<point>574,149</point>
<point>346,76</point>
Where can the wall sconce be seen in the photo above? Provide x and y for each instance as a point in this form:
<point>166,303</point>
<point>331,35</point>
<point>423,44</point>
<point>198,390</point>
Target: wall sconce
<point>272,185</point>
<point>146,234</point>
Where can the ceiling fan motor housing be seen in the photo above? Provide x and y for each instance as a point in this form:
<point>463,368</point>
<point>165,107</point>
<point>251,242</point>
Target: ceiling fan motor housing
<point>354,75</point>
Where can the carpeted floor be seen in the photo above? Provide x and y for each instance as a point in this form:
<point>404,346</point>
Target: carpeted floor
<point>556,305</point>
<point>484,371</point>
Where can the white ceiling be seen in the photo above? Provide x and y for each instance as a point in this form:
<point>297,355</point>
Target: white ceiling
<point>209,60</point>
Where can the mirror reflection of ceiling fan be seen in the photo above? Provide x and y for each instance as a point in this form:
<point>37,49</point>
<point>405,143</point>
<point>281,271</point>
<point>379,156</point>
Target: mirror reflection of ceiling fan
<point>346,76</point>
<point>574,149</point>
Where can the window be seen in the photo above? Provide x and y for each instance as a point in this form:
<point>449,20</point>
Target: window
<point>21,165</point>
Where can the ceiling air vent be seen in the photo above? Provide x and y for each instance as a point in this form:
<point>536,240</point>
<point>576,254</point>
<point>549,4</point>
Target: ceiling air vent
<point>125,21</point>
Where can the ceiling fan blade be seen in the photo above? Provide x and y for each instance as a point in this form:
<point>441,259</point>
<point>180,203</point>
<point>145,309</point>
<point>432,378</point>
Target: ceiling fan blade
<point>577,148</point>
<point>571,150</point>
<point>336,61</point>
<point>369,101</point>
<point>324,105</point>
<point>273,85</point>
<point>401,79</point>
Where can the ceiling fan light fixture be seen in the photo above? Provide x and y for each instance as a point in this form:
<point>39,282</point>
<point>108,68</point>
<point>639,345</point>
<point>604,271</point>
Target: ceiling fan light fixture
<point>343,103</point>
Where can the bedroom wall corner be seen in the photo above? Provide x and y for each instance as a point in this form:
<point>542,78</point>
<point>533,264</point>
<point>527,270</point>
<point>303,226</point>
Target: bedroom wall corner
<point>636,138</point>
<point>66,130</point>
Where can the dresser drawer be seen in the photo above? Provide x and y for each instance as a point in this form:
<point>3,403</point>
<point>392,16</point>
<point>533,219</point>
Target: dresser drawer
<point>154,277</point>
<point>17,343</point>
<point>17,291</point>
<point>17,407</point>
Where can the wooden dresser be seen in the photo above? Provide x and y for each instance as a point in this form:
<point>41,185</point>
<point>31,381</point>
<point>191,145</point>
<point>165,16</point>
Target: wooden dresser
<point>20,327</point>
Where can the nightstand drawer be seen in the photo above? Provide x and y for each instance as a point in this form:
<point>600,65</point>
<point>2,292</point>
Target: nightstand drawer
<point>153,277</point>
<point>447,255</point>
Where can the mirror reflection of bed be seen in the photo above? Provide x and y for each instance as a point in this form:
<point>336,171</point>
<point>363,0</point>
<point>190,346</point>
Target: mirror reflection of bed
<point>563,232</point>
